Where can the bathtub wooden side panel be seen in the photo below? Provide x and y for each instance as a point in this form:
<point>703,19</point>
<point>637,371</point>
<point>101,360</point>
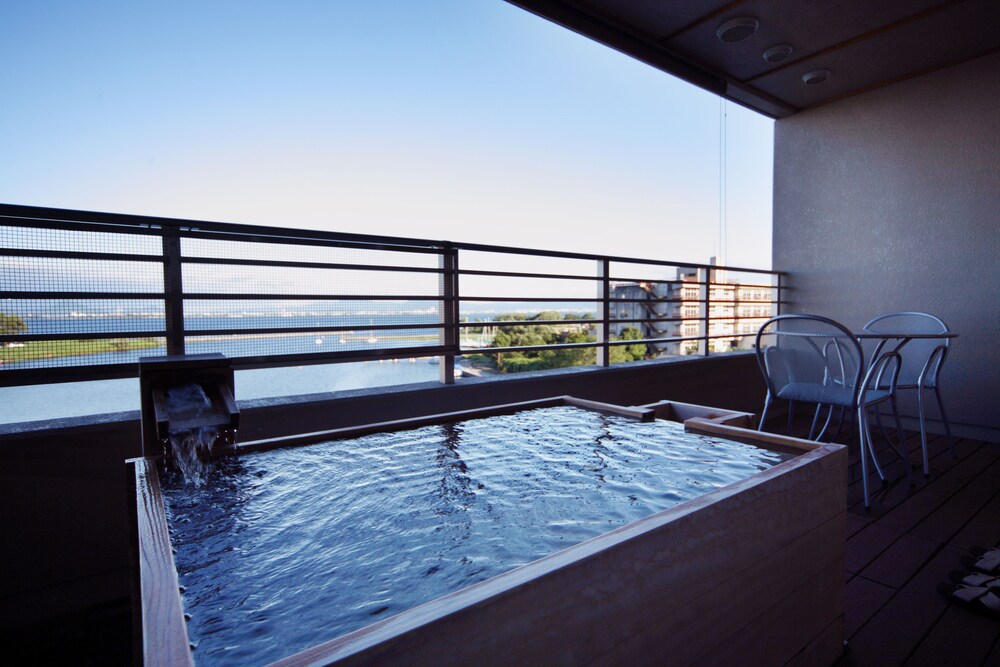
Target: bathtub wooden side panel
<point>762,615</point>
<point>769,554</point>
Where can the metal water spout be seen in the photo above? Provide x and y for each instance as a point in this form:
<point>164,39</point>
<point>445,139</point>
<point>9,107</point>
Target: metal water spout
<point>210,377</point>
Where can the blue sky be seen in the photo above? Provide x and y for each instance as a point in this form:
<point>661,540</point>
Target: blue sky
<point>468,120</point>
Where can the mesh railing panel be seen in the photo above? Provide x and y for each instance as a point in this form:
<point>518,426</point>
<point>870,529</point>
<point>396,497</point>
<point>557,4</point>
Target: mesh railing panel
<point>42,238</point>
<point>292,281</point>
<point>100,295</point>
<point>61,311</point>
<point>377,305</point>
<point>301,252</point>
<point>48,274</point>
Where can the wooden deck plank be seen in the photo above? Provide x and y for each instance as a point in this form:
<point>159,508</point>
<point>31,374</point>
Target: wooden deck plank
<point>960,637</point>
<point>982,530</point>
<point>892,634</point>
<point>863,598</point>
<point>994,658</point>
<point>868,543</point>
<point>917,506</point>
<point>901,561</point>
<point>898,490</point>
<point>856,523</point>
<point>948,519</point>
<point>909,544</point>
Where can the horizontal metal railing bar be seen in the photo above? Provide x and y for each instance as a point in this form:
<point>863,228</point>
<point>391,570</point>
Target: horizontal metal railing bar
<point>198,229</point>
<point>668,281</point>
<point>75,254</point>
<point>531,299</point>
<point>263,296</point>
<point>315,358</point>
<point>741,286</point>
<point>245,237</point>
<point>526,274</point>
<point>82,335</point>
<point>511,323</point>
<point>364,328</point>
<point>79,226</point>
<point>27,376</point>
<point>478,247</point>
<point>571,346</point>
<point>740,302</point>
<point>44,216</point>
<point>655,321</point>
<point>627,300</point>
<point>230,261</point>
<point>529,348</point>
<point>612,279</point>
<point>730,335</point>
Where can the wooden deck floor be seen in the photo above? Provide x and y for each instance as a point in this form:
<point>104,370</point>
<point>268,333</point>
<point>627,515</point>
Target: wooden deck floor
<point>908,543</point>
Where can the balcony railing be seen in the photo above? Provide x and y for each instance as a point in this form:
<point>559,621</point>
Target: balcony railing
<point>84,295</point>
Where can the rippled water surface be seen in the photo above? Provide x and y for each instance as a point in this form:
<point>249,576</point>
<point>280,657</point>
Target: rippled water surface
<point>282,550</point>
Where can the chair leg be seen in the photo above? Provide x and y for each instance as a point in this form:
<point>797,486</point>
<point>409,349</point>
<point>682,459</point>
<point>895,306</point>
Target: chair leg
<point>812,428</point>
<point>840,422</point>
<point>763,415</point>
<point>866,438</point>
<point>864,460</point>
<point>923,431</point>
<point>791,417</point>
<point>826,424</point>
<point>878,422</point>
<point>902,440</point>
<point>947,426</point>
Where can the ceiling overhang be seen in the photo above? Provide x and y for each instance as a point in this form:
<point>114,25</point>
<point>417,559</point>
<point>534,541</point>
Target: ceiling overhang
<point>860,44</point>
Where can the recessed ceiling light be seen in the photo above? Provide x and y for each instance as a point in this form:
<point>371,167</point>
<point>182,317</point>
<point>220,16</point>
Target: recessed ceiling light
<point>776,54</point>
<point>738,29</point>
<point>816,76</point>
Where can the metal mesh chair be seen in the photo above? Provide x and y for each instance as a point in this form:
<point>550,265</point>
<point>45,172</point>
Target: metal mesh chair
<point>815,360</point>
<point>921,364</point>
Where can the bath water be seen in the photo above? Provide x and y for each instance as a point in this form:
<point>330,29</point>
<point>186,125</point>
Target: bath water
<point>285,549</point>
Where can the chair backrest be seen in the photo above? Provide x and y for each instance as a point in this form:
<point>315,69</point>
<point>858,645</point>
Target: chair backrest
<point>808,350</point>
<point>917,353</point>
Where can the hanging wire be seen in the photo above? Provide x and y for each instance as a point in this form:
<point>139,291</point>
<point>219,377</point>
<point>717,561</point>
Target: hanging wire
<point>723,231</point>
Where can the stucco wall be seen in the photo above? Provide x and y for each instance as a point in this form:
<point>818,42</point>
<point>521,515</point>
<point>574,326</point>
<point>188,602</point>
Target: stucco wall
<point>890,201</point>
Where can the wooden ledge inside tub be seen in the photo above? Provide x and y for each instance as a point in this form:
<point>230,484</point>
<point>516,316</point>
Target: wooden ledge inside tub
<point>677,411</point>
<point>773,441</point>
<point>639,413</point>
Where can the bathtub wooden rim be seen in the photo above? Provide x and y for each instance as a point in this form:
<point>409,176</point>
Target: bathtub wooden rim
<point>163,638</point>
<point>164,630</point>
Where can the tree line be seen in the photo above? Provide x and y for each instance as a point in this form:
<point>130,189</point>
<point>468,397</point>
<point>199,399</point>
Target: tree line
<point>570,328</point>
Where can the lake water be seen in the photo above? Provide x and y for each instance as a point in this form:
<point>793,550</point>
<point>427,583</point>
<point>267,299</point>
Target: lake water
<point>75,399</point>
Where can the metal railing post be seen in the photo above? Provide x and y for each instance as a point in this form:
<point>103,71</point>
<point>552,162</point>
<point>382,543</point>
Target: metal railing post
<point>603,329</point>
<point>173,290</point>
<point>776,279</point>
<point>705,276</point>
<point>448,263</point>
